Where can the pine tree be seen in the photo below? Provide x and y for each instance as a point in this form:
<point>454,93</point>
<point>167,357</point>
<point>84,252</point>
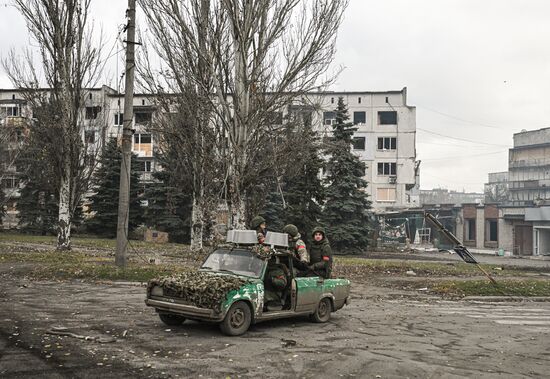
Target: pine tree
<point>38,204</point>
<point>104,203</point>
<point>169,205</point>
<point>345,212</point>
<point>301,185</point>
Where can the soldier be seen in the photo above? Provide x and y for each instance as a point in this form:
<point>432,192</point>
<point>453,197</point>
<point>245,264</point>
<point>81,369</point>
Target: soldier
<point>320,254</point>
<point>258,224</point>
<point>276,282</point>
<point>296,245</point>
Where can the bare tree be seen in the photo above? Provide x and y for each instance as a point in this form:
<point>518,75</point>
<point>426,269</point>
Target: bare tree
<point>69,63</point>
<point>250,59</point>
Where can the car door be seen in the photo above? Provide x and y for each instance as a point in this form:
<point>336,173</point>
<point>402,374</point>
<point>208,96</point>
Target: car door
<point>308,292</point>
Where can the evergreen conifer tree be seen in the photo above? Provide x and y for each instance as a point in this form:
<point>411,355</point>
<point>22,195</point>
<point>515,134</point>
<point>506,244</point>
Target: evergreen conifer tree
<point>301,185</point>
<point>169,205</point>
<point>104,203</point>
<point>38,204</point>
<point>345,213</point>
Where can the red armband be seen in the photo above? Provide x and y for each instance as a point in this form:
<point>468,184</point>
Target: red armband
<point>300,247</point>
<point>325,258</point>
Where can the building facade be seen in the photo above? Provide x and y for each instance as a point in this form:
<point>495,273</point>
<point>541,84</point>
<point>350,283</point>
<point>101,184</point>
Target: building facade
<point>385,140</point>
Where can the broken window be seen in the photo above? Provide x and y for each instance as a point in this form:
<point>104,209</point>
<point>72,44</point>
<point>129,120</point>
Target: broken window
<point>329,118</point>
<point>387,168</point>
<point>470,226</point>
<point>143,117</point>
<point>92,112</point>
<point>387,143</point>
<point>358,143</point>
<point>359,118</point>
<point>385,194</point>
<point>387,118</point>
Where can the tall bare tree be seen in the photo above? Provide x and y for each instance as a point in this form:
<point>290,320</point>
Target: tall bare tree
<point>69,63</point>
<point>251,58</point>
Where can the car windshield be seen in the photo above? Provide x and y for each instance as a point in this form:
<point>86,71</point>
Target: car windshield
<point>240,262</point>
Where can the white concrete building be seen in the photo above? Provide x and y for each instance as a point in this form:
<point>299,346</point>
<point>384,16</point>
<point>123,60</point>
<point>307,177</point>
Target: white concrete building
<point>385,140</point>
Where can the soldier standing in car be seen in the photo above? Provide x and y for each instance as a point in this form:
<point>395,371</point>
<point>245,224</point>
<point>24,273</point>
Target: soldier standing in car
<point>297,246</point>
<point>320,254</point>
<point>258,224</point>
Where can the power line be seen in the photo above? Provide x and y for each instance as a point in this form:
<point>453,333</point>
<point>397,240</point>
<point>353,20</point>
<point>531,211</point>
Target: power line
<point>461,119</point>
<point>461,139</point>
<point>465,156</point>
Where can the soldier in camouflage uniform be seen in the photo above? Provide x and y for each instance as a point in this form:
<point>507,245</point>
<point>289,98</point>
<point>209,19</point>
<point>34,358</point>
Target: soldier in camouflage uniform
<point>275,283</point>
<point>320,254</point>
<point>297,246</point>
<point>258,224</point>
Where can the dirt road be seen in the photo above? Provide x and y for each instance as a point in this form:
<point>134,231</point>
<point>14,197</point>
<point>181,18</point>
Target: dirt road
<point>382,334</point>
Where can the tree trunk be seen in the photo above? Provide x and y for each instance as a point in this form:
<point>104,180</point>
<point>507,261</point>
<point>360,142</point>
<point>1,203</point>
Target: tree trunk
<point>197,225</point>
<point>64,224</point>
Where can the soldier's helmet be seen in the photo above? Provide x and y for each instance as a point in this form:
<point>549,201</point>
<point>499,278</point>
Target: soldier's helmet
<point>318,229</point>
<point>256,222</point>
<point>291,230</point>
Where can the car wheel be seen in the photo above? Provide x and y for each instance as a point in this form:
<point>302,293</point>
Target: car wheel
<point>237,320</point>
<point>322,313</point>
<point>171,320</point>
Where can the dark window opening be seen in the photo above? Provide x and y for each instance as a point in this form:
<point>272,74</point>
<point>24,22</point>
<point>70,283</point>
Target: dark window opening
<point>142,117</point>
<point>387,118</point>
<point>90,96</point>
<point>387,143</point>
<point>13,97</point>
<point>492,230</point>
<point>145,166</point>
<point>387,168</point>
<point>142,138</point>
<point>470,229</point>
<point>358,143</point>
<point>92,112</point>
<point>119,119</point>
<point>332,100</point>
<point>359,100</point>
<point>359,117</point>
<point>329,118</point>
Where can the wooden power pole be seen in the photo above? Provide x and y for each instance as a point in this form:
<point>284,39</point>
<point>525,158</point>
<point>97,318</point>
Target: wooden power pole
<point>127,133</point>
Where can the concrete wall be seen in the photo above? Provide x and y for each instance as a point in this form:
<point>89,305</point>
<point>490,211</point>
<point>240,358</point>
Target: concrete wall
<point>532,137</point>
<point>480,228</point>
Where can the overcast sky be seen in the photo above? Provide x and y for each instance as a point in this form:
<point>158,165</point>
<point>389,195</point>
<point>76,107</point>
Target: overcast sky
<point>476,71</point>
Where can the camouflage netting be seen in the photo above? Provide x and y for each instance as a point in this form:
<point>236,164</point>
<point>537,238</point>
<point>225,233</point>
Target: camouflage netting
<point>200,289</point>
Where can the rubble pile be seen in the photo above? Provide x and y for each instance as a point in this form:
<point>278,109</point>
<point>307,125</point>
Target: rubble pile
<point>200,289</point>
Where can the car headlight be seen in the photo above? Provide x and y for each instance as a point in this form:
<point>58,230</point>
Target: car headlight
<point>157,291</point>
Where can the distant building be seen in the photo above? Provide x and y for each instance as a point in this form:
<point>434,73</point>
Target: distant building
<point>527,181</point>
<point>444,196</point>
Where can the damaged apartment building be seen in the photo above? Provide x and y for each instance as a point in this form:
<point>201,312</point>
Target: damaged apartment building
<point>518,219</point>
<point>385,138</point>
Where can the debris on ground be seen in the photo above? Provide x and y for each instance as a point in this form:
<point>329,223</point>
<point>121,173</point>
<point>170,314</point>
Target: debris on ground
<point>62,331</point>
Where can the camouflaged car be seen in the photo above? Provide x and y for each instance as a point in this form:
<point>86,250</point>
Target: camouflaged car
<point>245,304</point>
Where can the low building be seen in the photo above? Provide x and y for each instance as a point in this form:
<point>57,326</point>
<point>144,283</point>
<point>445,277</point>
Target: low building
<point>445,196</point>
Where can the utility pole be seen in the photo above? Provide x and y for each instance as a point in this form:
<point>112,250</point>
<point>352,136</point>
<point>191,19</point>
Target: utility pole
<point>127,133</point>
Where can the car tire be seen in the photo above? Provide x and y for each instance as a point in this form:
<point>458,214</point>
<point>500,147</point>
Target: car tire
<point>322,313</point>
<point>171,320</point>
<point>237,320</point>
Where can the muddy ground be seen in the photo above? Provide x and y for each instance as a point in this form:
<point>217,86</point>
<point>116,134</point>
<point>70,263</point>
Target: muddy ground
<point>385,333</point>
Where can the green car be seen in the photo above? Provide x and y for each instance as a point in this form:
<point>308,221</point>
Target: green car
<point>295,295</point>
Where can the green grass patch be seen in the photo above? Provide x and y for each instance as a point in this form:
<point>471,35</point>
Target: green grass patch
<point>486,288</point>
<point>400,267</point>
